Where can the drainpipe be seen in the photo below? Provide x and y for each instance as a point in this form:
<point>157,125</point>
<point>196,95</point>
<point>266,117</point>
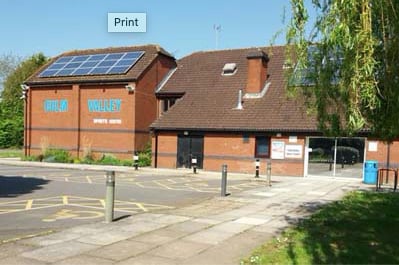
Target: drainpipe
<point>156,150</point>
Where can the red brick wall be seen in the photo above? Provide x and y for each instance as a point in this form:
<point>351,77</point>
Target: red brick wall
<point>145,99</point>
<point>381,154</point>
<point>167,150</point>
<point>76,130</point>
<point>231,150</point>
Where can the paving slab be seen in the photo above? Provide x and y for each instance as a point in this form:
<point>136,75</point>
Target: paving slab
<point>108,237</point>
<point>178,250</point>
<point>53,238</point>
<point>59,251</point>
<point>146,259</point>
<point>85,260</point>
<point>121,250</point>
<point>208,236</point>
<point>230,227</point>
<point>13,249</point>
<point>252,220</point>
<point>189,227</point>
<point>230,251</point>
<point>18,260</point>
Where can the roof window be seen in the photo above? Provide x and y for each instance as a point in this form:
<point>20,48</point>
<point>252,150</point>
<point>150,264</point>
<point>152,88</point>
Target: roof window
<point>229,69</point>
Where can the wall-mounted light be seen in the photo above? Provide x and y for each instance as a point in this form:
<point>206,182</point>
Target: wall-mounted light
<point>25,90</point>
<point>131,87</point>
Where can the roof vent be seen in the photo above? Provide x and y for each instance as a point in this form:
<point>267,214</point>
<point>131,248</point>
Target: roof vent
<point>239,103</point>
<point>229,69</point>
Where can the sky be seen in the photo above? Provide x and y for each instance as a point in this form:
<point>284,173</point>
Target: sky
<point>181,27</point>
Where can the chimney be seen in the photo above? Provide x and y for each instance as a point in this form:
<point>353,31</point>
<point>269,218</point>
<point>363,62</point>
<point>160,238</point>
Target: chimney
<point>257,71</point>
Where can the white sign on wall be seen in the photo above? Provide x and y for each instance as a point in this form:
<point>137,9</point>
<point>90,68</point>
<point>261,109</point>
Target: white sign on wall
<point>293,151</point>
<point>373,146</point>
<point>278,150</point>
<point>293,139</point>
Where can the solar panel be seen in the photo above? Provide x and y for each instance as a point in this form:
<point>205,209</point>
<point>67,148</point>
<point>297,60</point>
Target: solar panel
<point>94,64</point>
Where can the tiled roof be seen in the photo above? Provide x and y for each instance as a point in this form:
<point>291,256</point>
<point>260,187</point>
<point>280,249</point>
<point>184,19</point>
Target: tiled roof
<point>151,52</point>
<point>210,99</point>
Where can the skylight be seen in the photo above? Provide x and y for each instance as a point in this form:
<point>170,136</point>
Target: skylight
<point>229,69</point>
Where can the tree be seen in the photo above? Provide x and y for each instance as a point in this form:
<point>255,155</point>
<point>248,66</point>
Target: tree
<point>8,63</point>
<point>11,106</point>
<point>11,96</point>
<point>352,71</point>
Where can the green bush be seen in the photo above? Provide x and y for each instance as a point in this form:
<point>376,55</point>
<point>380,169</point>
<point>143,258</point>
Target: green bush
<point>11,133</point>
<point>145,156</point>
<point>108,159</point>
<point>57,155</point>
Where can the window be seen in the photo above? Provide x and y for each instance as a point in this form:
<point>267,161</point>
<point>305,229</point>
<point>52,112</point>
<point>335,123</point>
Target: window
<point>229,69</point>
<point>262,146</point>
<point>245,138</point>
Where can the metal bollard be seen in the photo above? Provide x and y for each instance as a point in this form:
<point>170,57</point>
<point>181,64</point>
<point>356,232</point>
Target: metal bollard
<point>257,164</point>
<point>269,172</point>
<point>110,196</point>
<point>224,181</point>
<point>136,161</point>
<point>194,164</point>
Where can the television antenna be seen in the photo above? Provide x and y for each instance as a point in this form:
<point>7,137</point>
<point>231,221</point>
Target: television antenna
<point>217,29</point>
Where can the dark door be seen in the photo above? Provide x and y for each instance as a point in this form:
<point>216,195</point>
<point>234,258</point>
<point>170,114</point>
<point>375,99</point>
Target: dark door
<point>189,147</point>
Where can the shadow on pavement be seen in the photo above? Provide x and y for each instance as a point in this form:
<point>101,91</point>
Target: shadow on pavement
<point>13,186</point>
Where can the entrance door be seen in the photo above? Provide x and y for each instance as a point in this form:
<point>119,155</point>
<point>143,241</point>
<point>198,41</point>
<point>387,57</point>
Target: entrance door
<point>189,147</point>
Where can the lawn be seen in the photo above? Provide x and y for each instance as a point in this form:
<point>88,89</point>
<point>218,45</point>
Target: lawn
<point>363,228</point>
<point>10,153</point>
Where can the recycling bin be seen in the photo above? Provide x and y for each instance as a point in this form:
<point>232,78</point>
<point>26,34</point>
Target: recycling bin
<point>370,172</point>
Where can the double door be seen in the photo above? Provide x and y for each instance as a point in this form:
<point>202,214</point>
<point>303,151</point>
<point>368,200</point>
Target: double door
<point>189,147</point>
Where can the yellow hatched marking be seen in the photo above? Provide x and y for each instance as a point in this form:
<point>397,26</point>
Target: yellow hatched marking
<point>66,180</point>
<point>102,203</point>
<point>29,204</point>
<point>89,180</point>
<point>65,200</point>
<point>141,207</point>
<point>162,185</point>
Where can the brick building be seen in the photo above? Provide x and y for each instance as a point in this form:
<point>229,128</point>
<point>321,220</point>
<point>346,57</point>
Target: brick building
<point>230,107</point>
<point>100,99</point>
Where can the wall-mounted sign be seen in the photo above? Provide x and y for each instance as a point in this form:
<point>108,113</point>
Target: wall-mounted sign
<point>277,150</point>
<point>107,121</point>
<point>104,105</point>
<point>373,146</point>
<point>293,151</point>
<point>55,105</point>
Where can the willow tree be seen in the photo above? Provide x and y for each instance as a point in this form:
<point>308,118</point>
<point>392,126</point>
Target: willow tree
<point>346,64</point>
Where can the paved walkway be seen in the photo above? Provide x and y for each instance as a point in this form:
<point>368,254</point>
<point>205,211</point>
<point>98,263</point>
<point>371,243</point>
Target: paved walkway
<point>221,230</point>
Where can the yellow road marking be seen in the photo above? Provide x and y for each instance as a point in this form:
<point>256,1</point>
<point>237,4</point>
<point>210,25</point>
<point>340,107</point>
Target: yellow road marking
<point>65,200</point>
<point>66,179</point>
<point>162,185</point>
<point>28,204</point>
<point>141,207</point>
<point>89,179</point>
<point>102,203</point>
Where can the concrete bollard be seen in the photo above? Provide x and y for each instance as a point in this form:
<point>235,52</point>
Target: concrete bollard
<point>224,181</point>
<point>109,196</point>
<point>269,172</point>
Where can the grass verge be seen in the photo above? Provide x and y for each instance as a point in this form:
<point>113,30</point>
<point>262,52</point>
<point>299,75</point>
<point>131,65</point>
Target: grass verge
<point>4,153</point>
<point>360,229</point>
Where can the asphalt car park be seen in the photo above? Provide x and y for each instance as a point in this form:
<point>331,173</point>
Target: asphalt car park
<point>37,200</point>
